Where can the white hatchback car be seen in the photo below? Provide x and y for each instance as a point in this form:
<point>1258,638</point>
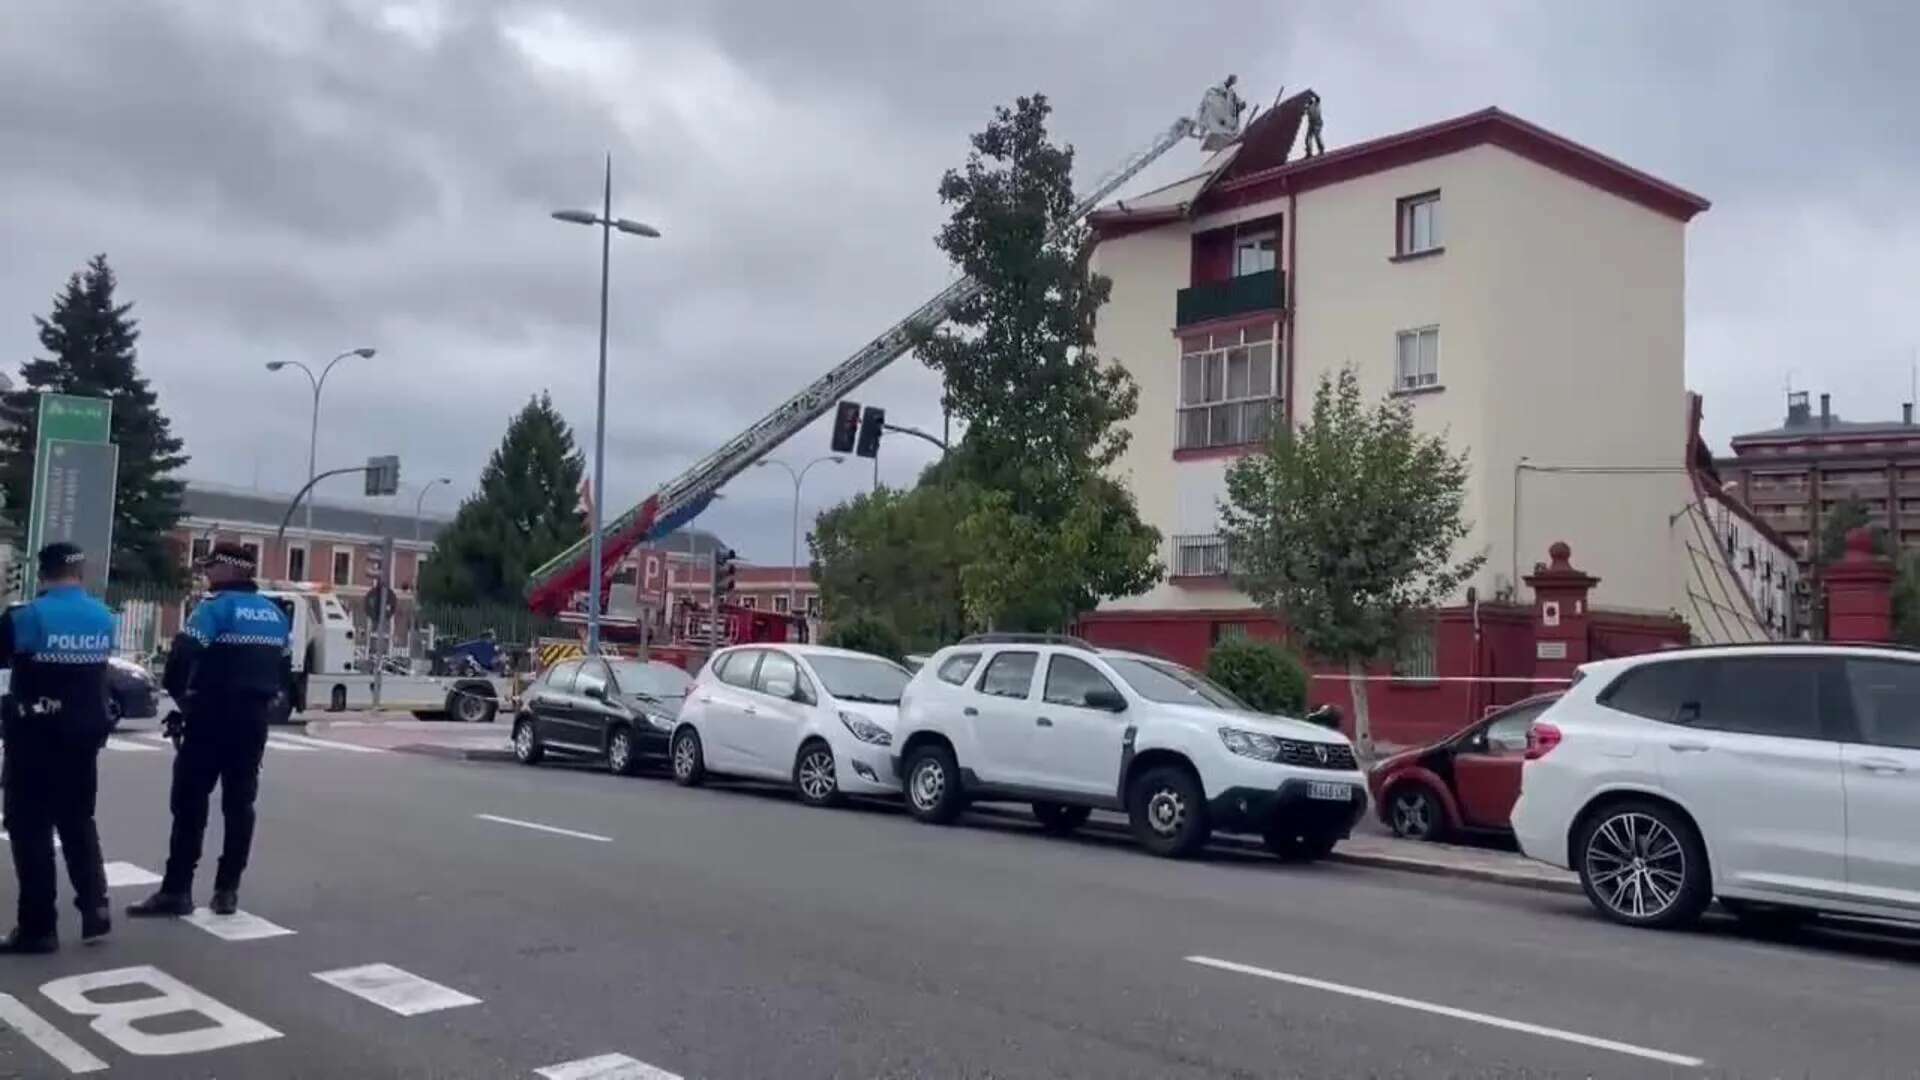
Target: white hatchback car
<point>818,718</point>
<point>1071,728</point>
<point>1782,779</point>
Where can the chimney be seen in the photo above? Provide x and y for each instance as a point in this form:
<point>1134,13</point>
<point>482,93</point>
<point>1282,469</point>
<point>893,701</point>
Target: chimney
<point>1826,410</point>
<point>1798,411</point>
<point>1906,413</point>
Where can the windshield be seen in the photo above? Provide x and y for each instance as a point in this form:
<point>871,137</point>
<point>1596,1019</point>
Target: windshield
<point>654,679</point>
<point>860,678</point>
<point>1171,684</point>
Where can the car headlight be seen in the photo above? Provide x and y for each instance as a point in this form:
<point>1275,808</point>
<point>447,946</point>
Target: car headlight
<point>660,721</point>
<point>866,730</point>
<point>1251,744</point>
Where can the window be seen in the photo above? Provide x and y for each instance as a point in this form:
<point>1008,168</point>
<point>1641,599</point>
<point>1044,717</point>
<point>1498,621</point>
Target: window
<point>860,678</point>
<point>1228,387</point>
<point>1170,684</point>
<point>343,566</point>
<point>201,547</point>
<point>1070,678</point>
<point>779,605</point>
<point>1508,734</point>
<point>1419,224</point>
<point>560,676</point>
<point>737,668</point>
<point>1255,253</point>
<point>1009,674</point>
<point>779,676</point>
<point>1653,690</point>
<point>750,602</point>
<point>813,606</point>
<point>593,676</point>
<point>296,562</point>
<point>1886,701</point>
<point>650,677</point>
<point>957,667</point>
<point>1414,656</point>
<point>1419,359</point>
<point>1758,696</point>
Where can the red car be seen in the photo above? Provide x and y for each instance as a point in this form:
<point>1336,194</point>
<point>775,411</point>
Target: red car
<point>1464,784</point>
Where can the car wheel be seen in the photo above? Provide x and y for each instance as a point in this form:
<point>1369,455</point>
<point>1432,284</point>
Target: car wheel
<point>526,744</point>
<point>933,785</point>
<point>1642,864</point>
<point>1415,814</point>
<point>1060,819</point>
<point>814,776</point>
<point>1295,848</point>
<point>622,757</point>
<point>1169,812</point>
<point>469,707</point>
<point>1768,918</point>
<point>114,713</point>
<point>689,761</point>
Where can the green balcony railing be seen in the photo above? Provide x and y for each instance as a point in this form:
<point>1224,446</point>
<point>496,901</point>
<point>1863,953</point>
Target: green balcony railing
<point>1225,299</point>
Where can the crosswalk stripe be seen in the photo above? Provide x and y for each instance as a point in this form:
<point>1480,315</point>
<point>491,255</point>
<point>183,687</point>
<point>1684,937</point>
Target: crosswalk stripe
<point>395,990</point>
<point>605,1067</point>
<point>115,742</point>
<point>239,926</point>
<point>279,742</point>
<point>311,743</point>
<point>125,873</point>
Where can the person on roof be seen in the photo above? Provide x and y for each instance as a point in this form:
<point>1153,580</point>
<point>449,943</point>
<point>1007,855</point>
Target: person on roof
<point>1315,144</point>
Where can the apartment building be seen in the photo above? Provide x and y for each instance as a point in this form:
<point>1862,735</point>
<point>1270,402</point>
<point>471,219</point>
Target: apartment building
<point>1524,294</point>
<point>1794,475</point>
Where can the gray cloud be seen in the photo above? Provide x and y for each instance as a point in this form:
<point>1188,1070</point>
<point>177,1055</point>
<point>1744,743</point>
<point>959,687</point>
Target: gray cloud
<point>285,179</point>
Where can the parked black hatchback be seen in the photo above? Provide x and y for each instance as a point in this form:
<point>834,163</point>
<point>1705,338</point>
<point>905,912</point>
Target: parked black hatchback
<point>618,711</point>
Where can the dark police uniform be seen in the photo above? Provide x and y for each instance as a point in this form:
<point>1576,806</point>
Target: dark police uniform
<point>55,721</point>
<point>225,669</point>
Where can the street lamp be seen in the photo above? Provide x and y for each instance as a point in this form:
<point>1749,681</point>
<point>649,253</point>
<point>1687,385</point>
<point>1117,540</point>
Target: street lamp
<point>424,488</point>
<point>313,434</point>
<point>607,223</point>
<point>793,570</point>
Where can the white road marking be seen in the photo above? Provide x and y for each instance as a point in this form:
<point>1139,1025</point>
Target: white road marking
<point>239,926</point>
<point>328,744</point>
<point>118,1020</point>
<point>115,742</point>
<point>545,828</point>
<point>1521,1026</point>
<point>51,1040</point>
<point>605,1067</point>
<point>158,741</point>
<point>125,873</point>
<point>5,839</point>
<point>280,742</point>
<point>395,990</point>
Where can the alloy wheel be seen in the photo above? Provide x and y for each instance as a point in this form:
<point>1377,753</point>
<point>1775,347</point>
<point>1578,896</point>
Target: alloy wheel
<point>929,785</point>
<point>1166,811</point>
<point>619,751</point>
<point>817,780</point>
<point>1636,865</point>
<point>683,756</point>
<point>1411,815</point>
<point>523,741</point>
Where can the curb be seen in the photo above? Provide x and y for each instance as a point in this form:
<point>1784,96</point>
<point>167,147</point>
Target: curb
<point>452,753</point>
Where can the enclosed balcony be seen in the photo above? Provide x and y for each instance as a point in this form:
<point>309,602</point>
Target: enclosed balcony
<point>1240,295</point>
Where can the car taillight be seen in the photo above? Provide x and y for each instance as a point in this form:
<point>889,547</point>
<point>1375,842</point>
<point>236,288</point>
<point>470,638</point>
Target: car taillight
<point>1541,738</point>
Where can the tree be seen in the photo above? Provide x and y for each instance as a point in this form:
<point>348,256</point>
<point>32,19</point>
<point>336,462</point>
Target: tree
<point>1024,573</point>
<point>1260,673</point>
<point>1906,599</point>
<point>526,511</point>
<point>90,344</point>
<point>895,557</point>
<point>864,633</point>
<point>1346,526</point>
<point>1849,515</point>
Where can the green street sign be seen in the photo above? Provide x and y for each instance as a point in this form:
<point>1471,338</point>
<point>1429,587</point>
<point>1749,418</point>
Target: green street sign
<point>73,419</point>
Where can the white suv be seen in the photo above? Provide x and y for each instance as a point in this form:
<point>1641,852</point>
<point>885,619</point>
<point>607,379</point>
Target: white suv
<point>1782,779</point>
<point>1071,728</point>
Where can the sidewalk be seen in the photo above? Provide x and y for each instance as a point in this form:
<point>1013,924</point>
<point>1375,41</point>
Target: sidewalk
<point>400,732</point>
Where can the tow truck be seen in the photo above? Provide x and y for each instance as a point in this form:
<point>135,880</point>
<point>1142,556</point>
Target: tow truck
<point>553,587</point>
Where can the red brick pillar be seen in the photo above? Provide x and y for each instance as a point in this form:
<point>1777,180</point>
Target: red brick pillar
<point>1559,614</point>
<point>1860,593</point>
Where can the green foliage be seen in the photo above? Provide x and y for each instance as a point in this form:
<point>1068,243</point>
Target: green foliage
<point>895,556</point>
<point>90,344</point>
<point>1849,515</point>
<point>864,633</point>
<point>1260,673</point>
<point>1027,573</point>
<point>1906,600</point>
<point>526,511</point>
<point>1346,526</point>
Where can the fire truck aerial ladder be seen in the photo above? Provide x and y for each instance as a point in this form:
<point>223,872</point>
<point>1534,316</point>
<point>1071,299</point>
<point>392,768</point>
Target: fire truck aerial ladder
<point>551,587</point>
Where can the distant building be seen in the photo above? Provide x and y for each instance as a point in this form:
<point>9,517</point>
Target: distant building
<point>1794,475</point>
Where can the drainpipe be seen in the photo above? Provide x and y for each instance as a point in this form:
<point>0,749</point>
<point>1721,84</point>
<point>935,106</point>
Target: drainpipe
<point>1293,290</point>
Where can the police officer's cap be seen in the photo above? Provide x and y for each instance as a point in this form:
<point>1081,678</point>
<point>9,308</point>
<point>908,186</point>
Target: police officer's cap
<point>228,555</point>
<point>60,558</point>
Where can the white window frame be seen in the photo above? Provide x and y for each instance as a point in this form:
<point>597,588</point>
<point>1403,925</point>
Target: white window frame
<point>259,547</point>
<point>286,560</point>
<point>1425,375</point>
<point>1220,348</point>
<point>1407,229</point>
<point>194,554</point>
<point>780,605</point>
<point>333,567</point>
<point>813,605</point>
<point>1249,243</point>
<point>751,603</point>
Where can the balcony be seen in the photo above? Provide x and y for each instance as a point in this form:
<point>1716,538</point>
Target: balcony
<point>1224,299</point>
<point>1198,555</point>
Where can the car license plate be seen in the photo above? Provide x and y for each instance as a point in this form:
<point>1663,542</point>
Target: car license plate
<point>1320,789</point>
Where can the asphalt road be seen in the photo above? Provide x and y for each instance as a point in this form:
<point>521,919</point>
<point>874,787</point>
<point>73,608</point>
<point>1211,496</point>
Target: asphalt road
<point>731,933</point>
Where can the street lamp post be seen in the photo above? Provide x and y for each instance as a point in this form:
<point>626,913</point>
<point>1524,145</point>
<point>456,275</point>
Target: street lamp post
<point>607,223</point>
<point>313,433</point>
<point>793,570</point>
<point>424,488</point>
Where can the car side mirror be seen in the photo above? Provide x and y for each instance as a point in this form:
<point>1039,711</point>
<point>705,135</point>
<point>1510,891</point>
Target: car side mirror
<point>597,693</point>
<point>1106,699</point>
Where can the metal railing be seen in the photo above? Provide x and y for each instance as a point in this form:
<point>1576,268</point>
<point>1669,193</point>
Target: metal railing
<point>1224,299</point>
<point>1196,555</point>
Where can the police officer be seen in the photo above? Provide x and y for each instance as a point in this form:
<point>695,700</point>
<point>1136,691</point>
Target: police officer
<point>55,721</point>
<point>225,669</point>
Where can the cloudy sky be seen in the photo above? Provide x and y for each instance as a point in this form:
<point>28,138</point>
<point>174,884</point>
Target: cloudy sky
<point>285,179</point>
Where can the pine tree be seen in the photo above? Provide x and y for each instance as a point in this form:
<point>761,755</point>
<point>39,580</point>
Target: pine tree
<point>89,342</point>
<point>526,511</point>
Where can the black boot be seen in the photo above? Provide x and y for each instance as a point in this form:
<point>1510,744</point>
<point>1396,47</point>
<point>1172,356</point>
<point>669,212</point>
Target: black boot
<point>17,942</point>
<point>96,923</point>
<point>225,901</point>
<point>162,903</point>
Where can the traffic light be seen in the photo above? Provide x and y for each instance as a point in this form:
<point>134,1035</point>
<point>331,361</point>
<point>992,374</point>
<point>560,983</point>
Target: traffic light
<point>724,571</point>
<point>846,424</point>
<point>383,475</point>
<point>872,421</point>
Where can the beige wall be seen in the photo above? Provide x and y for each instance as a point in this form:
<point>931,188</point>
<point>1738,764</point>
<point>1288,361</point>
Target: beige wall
<point>1561,319</point>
